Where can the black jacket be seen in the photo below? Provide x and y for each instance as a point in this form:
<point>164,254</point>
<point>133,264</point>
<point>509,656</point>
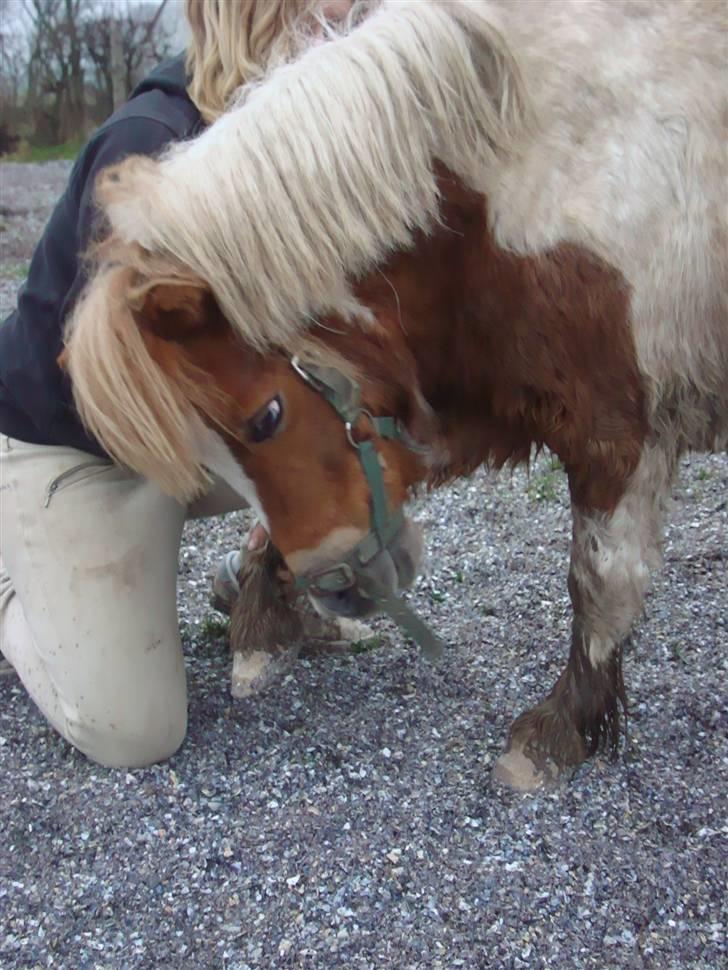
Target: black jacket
<point>35,396</point>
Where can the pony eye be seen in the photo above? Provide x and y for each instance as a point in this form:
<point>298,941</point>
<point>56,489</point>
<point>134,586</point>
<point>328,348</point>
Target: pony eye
<point>265,422</point>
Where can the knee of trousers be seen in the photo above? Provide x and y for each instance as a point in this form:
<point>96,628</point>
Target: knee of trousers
<point>129,739</point>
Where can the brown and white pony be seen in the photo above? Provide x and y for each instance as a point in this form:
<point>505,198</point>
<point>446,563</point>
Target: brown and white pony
<point>507,222</point>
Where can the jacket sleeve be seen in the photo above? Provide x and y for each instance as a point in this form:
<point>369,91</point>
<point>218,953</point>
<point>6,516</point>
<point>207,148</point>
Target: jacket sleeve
<point>34,391</point>
<point>32,337</point>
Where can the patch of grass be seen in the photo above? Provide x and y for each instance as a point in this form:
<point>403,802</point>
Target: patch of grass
<point>213,627</point>
<point>17,272</point>
<point>704,475</point>
<point>366,646</point>
<point>46,153</point>
<point>543,486</point>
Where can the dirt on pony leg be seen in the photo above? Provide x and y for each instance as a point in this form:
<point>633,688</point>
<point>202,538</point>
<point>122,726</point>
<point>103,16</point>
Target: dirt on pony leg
<point>579,717</point>
<point>612,556</point>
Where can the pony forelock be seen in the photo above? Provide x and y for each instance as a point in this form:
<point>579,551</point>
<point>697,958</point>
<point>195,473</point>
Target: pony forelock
<point>326,167</point>
<point>146,416</point>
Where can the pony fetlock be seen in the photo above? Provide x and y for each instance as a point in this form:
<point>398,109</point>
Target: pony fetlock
<point>580,717</point>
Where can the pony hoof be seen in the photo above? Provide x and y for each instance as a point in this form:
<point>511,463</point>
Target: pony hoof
<point>516,770</point>
<point>254,672</point>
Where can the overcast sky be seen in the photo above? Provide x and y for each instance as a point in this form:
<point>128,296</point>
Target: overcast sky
<point>175,17</point>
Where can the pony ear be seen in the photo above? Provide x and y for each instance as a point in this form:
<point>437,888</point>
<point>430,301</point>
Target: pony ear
<point>174,308</point>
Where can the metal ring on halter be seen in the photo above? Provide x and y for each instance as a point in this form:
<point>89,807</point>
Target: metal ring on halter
<point>349,426</point>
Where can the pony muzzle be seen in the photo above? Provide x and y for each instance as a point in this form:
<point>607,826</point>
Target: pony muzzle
<point>349,589</point>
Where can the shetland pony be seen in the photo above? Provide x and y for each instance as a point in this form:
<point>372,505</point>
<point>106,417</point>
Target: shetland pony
<point>505,230</point>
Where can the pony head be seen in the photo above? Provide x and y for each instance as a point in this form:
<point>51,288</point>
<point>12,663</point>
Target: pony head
<point>172,391</point>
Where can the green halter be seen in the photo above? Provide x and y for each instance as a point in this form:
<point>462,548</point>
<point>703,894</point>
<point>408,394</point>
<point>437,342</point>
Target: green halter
<point>344,396</point>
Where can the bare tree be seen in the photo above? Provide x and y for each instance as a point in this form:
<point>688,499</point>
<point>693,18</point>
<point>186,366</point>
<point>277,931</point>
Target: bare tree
<point>82,58</point>
<point>56,70</point>
<point>13,67</point>
<point>13,56</point>
<point>120,40</point>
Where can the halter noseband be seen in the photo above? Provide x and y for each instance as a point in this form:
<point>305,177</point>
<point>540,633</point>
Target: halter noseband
<point>344,396</point>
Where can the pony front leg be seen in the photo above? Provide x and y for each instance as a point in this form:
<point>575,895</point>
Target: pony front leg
<point>612,556</point>
<point>265,627</point>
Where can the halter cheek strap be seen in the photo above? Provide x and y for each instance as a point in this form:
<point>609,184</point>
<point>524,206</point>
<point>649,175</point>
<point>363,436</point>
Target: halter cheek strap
<point>344,396</point>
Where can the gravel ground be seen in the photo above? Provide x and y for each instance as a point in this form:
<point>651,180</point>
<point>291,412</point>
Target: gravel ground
<point>347,818</point>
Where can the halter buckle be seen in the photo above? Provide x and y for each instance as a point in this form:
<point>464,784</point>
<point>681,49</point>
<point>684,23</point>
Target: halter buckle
<point>333,580</point>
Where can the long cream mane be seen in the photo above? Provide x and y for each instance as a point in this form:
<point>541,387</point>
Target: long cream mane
<point>600,123</point>
<point>327,166</point>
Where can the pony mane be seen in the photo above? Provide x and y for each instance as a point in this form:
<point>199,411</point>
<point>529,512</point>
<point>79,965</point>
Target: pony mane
<point>326,167</point>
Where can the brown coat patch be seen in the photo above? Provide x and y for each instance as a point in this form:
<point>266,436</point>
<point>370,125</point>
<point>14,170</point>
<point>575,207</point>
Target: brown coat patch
<point>510,351</point>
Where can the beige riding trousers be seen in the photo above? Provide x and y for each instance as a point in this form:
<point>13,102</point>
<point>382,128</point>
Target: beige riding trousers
<point>88,573</point>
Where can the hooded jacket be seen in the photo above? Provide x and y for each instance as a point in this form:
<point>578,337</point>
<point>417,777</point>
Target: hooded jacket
<point>36,403</point>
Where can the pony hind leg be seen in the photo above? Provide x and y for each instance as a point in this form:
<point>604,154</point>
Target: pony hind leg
<point>612,557</point>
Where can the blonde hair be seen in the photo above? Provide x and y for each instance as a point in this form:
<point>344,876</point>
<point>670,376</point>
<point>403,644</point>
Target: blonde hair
<point>234,42</point>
